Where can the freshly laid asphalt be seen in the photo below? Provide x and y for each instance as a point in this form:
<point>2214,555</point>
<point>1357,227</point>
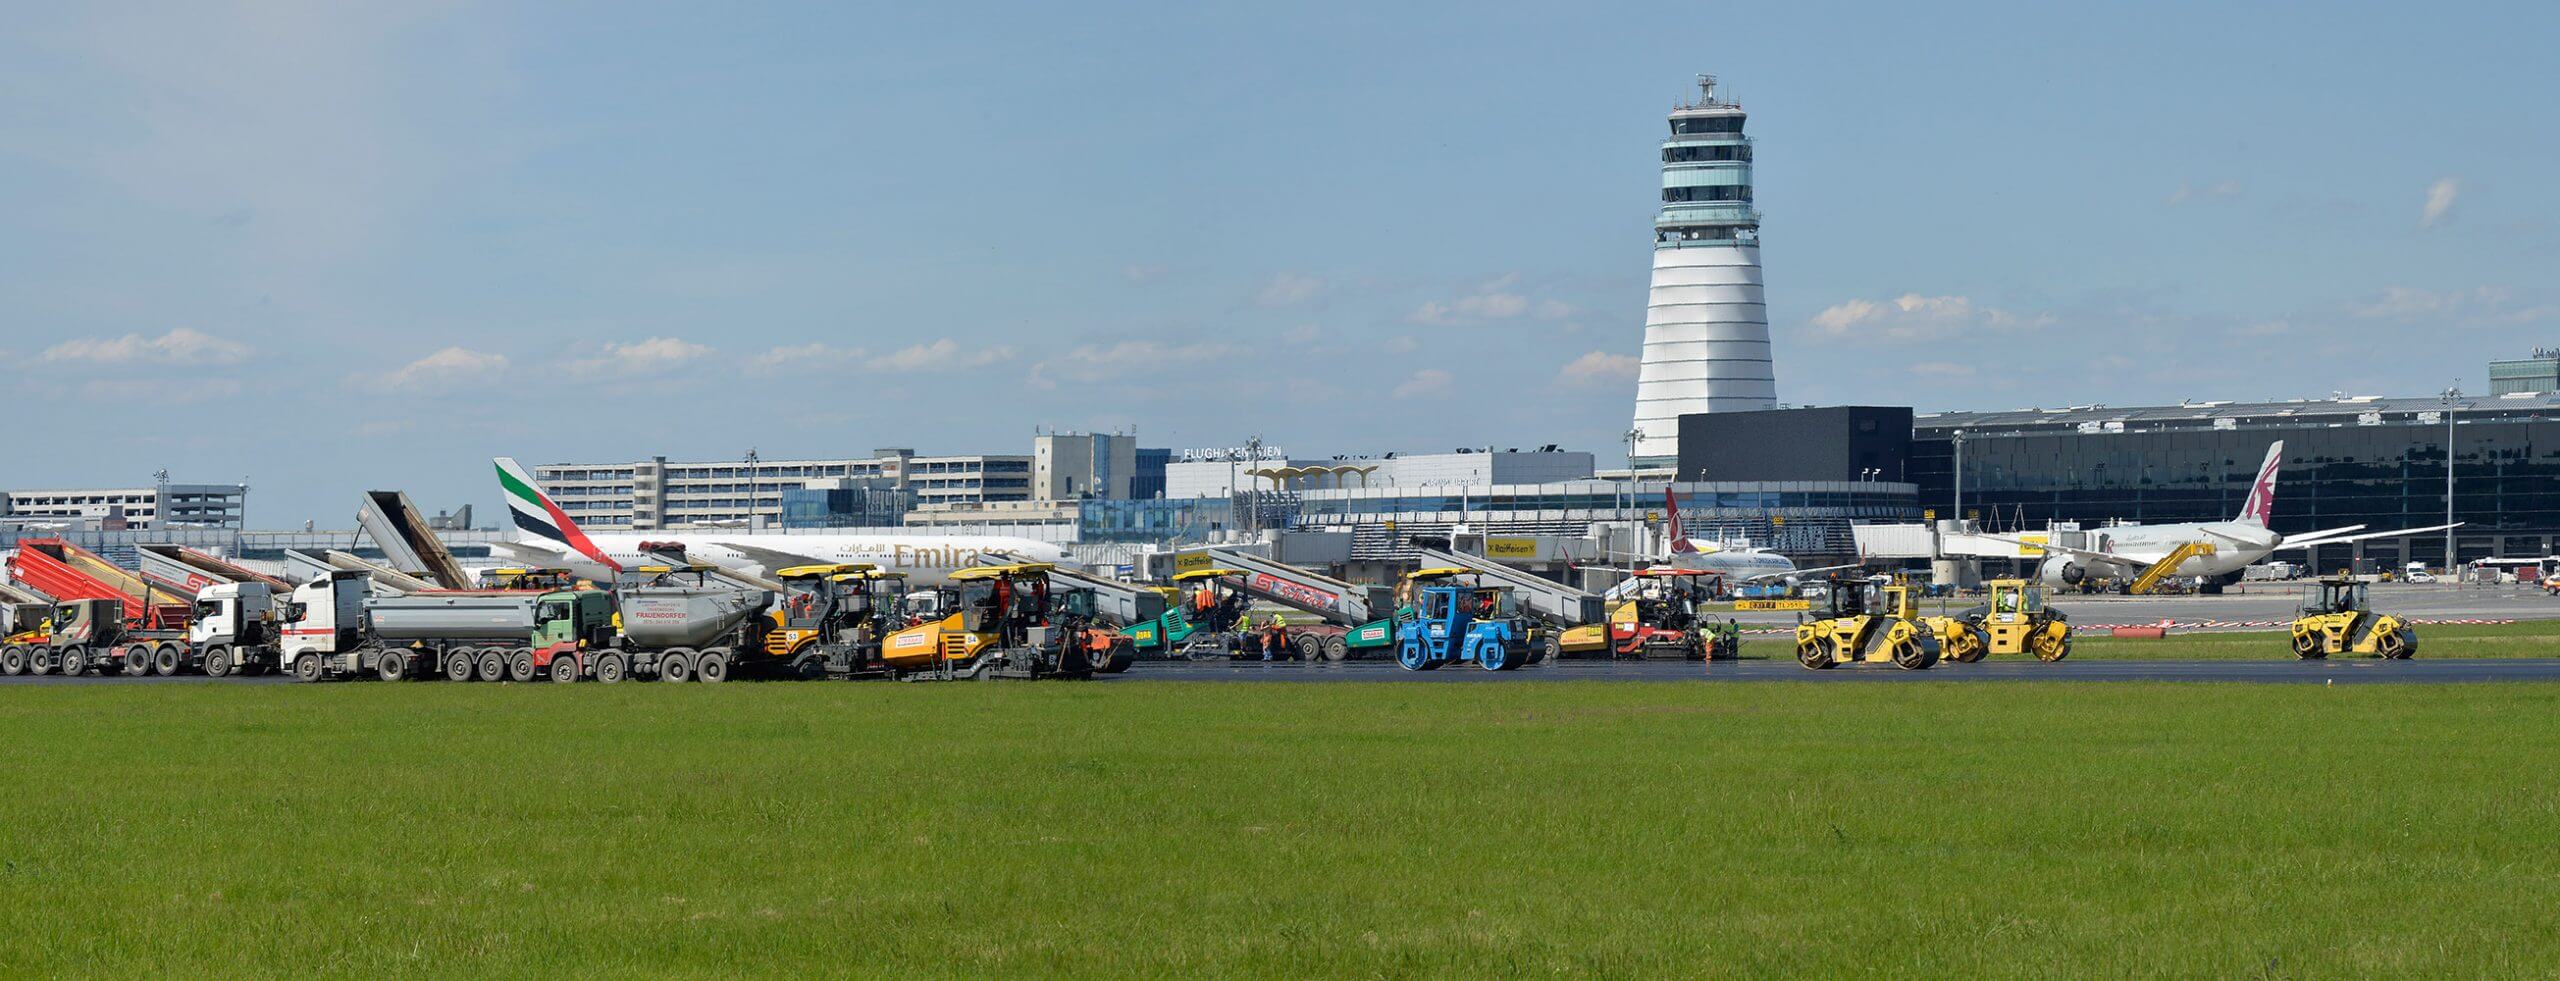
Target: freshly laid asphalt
<point>2348,671</point>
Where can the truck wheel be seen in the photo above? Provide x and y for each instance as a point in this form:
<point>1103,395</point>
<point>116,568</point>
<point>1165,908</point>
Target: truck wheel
<point>712,667</point>
<point>676,666</point>
<point>217,662</point>
<point>520,665</point>
<point>457,666</point>
<point>391,666</point>
<point>74,661</point>
<point>564,668</point>
<point>609,668</point>
<point>135,660</point>
<point>1551,647</point>
<point>1336,648</point>
<point>13,661</point>
<point>493,666</point>
<point>167,659</point>
<point>306,669</point>
<point>1309,646</point>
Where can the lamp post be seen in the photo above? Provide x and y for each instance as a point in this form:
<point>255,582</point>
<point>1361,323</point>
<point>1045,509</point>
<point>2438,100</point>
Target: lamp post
<point>1959,503</point>
<point>751,488</point>
<point>1628,492</point>
<point>2452,399</point>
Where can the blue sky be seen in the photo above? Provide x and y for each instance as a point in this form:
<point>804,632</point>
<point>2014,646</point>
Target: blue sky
<point>328,247</point>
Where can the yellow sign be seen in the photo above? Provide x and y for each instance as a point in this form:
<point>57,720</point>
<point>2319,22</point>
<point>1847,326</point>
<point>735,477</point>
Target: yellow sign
<point>1778,520</point>
<point>1511,548</point>
<point>1749,605</point>
<point>1929,515</point>
<point>2030,546</point>
<point>1190,562</point>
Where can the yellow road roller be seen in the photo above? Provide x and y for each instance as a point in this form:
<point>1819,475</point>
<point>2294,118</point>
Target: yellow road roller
<point>2337,618</point>
<point>2017,621</point>
<point>1867,621</point>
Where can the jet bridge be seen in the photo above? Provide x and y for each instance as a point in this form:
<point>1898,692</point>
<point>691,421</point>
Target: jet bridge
<point>1555,602</point>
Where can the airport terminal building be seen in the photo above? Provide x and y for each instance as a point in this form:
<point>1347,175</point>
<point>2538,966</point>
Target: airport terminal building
<point>2377,462</point>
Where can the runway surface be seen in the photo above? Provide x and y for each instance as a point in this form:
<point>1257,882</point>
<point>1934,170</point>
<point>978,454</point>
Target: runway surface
<point>2344,671</point>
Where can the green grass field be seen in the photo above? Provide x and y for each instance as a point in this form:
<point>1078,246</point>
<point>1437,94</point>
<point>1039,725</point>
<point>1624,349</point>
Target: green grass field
<point>1236,829</point>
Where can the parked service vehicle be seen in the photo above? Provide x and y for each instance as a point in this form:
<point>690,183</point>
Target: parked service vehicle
<point>833,620</point>
<point>239,628</point>
<point>1200,621</point>
<point>2337,619</point>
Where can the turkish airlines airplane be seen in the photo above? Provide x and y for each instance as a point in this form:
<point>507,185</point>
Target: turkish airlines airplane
<point>546,536</point>
<point>2124,551</point>
<point>1739,565</point>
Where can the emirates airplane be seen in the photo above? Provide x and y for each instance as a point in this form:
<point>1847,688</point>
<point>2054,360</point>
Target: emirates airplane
<point>545,536</point>
<point>2124,551</point>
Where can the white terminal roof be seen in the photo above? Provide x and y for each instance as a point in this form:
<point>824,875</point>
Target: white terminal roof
<point>2351,410</point>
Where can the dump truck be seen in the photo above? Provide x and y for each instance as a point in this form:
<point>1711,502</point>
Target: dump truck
<point>154,635</point>
<point>71,639</point>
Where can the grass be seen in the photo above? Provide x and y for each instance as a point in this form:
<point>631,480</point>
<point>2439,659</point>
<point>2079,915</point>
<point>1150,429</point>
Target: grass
<point>1633,830</point>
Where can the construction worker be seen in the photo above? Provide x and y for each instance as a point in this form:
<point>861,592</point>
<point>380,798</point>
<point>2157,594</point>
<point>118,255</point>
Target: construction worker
<point>1246,642</point>
<point>1275,644</point>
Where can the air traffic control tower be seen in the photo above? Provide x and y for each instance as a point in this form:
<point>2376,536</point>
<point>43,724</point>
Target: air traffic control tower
<point>1706,325</point>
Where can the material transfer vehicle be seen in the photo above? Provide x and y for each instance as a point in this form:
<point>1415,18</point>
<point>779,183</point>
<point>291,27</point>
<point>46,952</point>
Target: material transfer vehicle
<point>2337,618</point>
<point>1660,620</point>
<point>1458,618</point>
<point>833,620</point>
<point>1201,618</point>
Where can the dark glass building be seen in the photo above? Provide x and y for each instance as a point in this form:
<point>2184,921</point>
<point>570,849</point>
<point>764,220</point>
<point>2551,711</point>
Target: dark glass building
<point>2361,461</point>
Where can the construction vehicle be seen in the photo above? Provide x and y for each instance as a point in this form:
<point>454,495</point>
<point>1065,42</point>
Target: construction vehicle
<point>1002,624</point>
<point>1660,619</point>
<point>1461,618</point>
<point>238,628</point>
<point>1560,606</point>
<point>70,640</point>
<point>153,638</point>
<point>832,620</point>
<point>2337,619</point>
<point>1350,620</point>
<point>519,578</point>
<point>1866,621</point>
<point>408,545</point>
<point>2015,620</point>
<point>1200,619</point>
<point>186,572</point>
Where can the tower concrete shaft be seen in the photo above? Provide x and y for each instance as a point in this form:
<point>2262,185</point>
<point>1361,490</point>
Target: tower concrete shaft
<point>1706,325</point>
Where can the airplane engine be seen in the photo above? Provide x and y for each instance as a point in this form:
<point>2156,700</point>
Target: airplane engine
<point>2061,571</point>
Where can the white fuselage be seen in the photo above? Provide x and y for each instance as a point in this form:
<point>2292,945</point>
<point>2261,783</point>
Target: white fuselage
<point>1736,565</point>
<point>2236,546</point>
<point>925,559</point>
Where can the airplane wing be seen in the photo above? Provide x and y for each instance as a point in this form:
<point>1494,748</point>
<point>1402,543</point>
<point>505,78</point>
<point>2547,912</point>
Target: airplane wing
<point>526,553</point>
<point>1792,573</point>
<point>2110,558</point>
<point>2308,541</point>
<point>773,560</point>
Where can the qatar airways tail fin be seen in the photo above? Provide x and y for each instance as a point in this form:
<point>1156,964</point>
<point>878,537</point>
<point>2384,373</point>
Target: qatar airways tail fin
<point>2261,504</point>
<point>538,520</point>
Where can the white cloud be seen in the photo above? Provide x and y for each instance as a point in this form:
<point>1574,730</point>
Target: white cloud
<point>1116,361</point>
<point>2189,192</point>
<point>1424,384</point>
<point>652,355</point>
<point>2480,306</point>
<point>1497,299</point>
<point>1598,368</point>
<point>811,355</point>
<point>2440,197</point>
<point>945,354</point>
<point>450,364</point>
<point>180,346</point>
<point>1290,289</point>
<point>1912,316</point>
